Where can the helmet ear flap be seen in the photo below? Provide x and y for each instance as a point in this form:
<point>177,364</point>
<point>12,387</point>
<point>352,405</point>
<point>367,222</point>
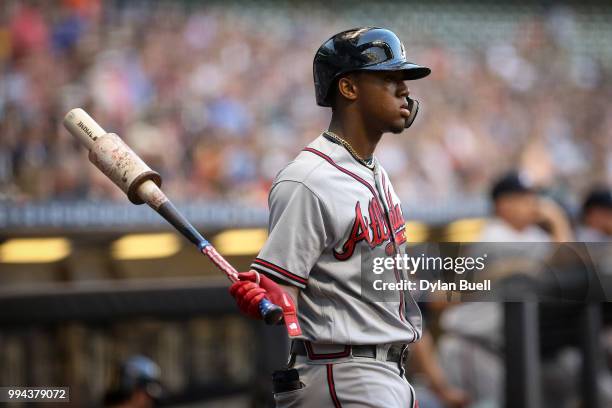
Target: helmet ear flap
<point>413,107</point>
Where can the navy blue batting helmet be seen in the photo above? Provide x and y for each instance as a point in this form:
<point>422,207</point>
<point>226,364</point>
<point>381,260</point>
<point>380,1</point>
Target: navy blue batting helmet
<point>360,49</point>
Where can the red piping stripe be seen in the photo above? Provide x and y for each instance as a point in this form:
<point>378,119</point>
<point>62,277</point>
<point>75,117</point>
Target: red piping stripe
<point>342,169</point>
<point>332,386</point>
<point>280,270</point>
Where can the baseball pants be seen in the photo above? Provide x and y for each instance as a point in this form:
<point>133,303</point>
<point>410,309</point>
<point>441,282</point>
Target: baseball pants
<point>349,382</point>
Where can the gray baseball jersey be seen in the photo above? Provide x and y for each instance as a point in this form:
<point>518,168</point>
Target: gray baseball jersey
<point>326,211</point>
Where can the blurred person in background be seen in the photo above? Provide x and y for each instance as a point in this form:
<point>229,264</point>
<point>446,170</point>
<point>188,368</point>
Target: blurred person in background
<point>596,227</point>
<point>471,348</point>
<point>518,212</point>
<point>437,392</point>
<point>596,217</point>
<point>137,384</point>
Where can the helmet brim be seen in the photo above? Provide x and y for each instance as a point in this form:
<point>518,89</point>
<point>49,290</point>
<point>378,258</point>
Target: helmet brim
<point>411,71</point>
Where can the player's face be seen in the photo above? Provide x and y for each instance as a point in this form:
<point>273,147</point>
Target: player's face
<point>382,100</point>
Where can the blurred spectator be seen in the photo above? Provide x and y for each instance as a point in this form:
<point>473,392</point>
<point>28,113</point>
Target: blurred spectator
<point>596,217</point>
<point>137,384</point>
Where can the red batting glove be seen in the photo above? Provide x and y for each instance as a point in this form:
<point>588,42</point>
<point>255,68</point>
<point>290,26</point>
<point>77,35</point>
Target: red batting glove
<point>252,287</point>
<point>248,295</point>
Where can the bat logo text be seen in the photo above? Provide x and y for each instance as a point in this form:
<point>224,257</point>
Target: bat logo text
<point>86,130</point>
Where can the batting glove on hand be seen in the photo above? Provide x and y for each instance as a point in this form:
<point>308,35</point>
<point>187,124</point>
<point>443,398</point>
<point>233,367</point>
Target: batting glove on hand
<point>253,287</point>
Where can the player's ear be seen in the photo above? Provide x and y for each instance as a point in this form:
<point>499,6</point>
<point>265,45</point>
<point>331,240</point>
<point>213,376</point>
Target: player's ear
<point>347,87</point>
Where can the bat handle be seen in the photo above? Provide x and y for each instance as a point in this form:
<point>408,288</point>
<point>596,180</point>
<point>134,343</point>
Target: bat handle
<point>272,314</point>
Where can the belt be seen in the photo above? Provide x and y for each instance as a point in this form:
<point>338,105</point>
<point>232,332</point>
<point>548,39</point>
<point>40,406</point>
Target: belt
<point>396,352</point>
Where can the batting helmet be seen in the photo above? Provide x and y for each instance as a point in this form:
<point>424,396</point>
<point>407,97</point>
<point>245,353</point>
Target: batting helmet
<point>137,372</point>
<point>362,49</point>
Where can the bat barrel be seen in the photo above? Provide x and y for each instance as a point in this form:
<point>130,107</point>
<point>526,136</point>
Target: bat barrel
<point>111,155</point>
<point>122,165</point>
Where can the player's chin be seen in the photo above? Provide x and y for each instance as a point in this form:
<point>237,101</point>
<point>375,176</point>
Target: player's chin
<point>397,126</point>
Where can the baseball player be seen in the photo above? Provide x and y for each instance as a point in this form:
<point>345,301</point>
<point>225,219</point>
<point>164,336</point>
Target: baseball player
<point>330,209</point>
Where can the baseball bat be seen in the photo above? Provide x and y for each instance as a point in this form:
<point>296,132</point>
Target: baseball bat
<point>142,185</point>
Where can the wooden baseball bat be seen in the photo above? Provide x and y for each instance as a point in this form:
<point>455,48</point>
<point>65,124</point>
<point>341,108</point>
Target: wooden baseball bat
<point>142,185</point>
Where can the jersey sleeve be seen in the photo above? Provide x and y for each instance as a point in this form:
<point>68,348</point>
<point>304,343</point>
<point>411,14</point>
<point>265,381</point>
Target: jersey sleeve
<point>297,234</point>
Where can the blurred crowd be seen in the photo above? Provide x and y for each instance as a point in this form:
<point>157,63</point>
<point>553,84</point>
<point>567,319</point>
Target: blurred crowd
<point>219,98</point>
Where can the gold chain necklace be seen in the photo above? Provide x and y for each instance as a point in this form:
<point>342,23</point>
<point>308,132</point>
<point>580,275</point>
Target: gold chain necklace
<point>368,163</point>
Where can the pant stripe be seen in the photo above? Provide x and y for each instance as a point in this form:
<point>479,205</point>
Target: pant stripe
<point>332,386</point>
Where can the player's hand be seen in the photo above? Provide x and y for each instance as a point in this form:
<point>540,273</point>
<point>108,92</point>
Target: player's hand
<point>248,294</point>
<point>253,287</point>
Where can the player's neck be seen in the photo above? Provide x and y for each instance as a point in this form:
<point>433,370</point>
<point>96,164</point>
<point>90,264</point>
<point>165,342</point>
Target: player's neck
<point>356,134</point>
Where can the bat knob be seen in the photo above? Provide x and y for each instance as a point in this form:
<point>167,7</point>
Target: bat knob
<point>272,314</point>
